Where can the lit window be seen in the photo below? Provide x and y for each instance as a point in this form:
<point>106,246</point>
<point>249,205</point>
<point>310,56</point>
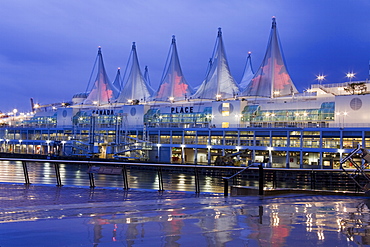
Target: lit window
<point>225,124</point>
<point>225,109</point>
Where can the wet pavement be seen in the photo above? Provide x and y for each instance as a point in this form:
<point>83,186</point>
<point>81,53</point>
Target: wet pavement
<point>38,215</point>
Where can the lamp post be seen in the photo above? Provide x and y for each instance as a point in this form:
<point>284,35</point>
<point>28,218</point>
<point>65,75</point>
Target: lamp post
<point>182,153</point>
<point>158,153</point>
<point>350,75</point>
<point>320,78</point>
<point>209,154</point>
<point>270,154</point>
<point>341,117</point>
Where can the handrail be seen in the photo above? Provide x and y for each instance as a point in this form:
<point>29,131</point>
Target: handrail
<point>232,176</point>
<point>226,181</point>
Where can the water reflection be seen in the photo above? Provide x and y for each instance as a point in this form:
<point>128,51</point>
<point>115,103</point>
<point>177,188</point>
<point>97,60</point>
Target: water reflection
<point>241,221</point>
<point>270,224</point>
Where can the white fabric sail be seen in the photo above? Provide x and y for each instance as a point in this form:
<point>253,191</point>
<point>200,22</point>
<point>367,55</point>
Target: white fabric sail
<point>219,82</point>
<point>146,76</point>
<point>272,78</point>
<point>135,88</point>
<point>117,80</point>
<point>248,73</point>
<point>173,85</point>
<point>103,91</point>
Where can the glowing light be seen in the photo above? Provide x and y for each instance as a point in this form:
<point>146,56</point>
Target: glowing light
<point>340,151</point>
<point>270,148</point>
<point>158,145</point>
<point>209,146</point>
<point>171,99</point>
<point>350,75</point>
<point>182,145</point>
<point>218,96</point>
<point>320,78</point>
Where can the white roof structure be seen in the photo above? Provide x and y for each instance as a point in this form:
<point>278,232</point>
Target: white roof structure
<point>248,73</point>
<point>135,87</point>
<point>218,83</point>
<point>173,85</point>
<point>117,80</point>
<point>103,91</point>
<point>272,78</point>
<point>146,76</point>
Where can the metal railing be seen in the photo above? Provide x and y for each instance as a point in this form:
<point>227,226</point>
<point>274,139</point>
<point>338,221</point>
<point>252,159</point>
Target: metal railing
<point>301,179</point>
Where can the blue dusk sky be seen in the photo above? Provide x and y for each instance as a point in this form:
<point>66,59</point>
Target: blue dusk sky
<point>48,47</point>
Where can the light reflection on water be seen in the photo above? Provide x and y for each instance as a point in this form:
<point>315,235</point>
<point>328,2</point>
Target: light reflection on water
<point>241,221</point>
<point>237,221</point>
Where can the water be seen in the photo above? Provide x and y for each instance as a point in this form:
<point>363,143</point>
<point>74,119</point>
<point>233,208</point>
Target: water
<point>206,221</point>
<point>80,216</point>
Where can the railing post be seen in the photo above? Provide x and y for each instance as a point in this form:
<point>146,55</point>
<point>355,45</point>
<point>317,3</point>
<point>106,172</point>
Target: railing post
<point>160,179</point>
<point>196,177</point>
<point>25,172</point>
<point>57,174</point>
<point>91,178</point>
<point>260,179</point>
<point>226,187</point>
<point>313,186</point>
<point>124,175</point>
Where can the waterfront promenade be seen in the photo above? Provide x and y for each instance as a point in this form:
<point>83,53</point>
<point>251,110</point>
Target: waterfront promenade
<point>36,215</point>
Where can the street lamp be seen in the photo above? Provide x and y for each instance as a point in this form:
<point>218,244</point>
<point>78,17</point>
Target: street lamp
<point>209,154</point>
<point>182,153</point>
<point>350,75</point>
<point>320,78</point>
<point>158,148</point>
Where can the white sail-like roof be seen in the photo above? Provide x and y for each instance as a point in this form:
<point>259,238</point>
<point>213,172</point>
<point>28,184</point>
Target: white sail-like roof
<point>146,76</point>
<point>218,83</point>
<point>103,91</point>
<point>135,87</point>
<point>117,80</point>
<point>272,78</point>
<point>173,84</point>
<point>248,73</point>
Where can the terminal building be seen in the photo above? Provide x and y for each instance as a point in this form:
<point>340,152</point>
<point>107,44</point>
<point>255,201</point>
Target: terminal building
<point>262,118</point>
